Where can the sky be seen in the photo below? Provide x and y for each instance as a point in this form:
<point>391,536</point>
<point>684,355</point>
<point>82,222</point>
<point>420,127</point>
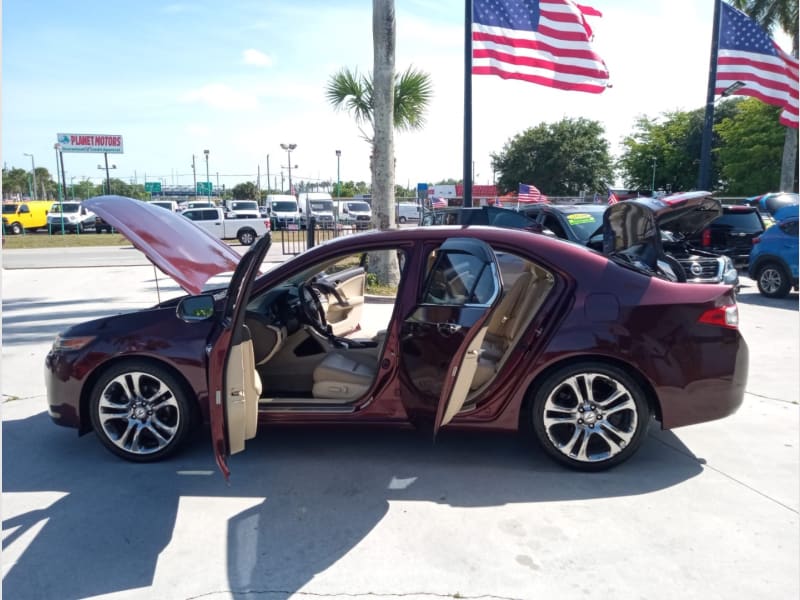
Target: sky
<point>241,77</point>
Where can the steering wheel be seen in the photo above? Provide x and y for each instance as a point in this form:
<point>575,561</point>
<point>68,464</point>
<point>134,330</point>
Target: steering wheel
<point>313,312</point>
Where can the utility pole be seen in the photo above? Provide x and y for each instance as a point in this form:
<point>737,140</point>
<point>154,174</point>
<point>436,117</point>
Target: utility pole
<point>194,177</point>
<point>269,185</point>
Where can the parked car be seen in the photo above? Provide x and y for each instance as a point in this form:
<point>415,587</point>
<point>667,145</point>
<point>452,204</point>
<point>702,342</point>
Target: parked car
<point>100,226</point>
<point>479,215</point>
<point>731,234</point>
<point>214,221</point>
<point>579,353</point>
<point>282,209</point>
<point>30,215</point>
<point>407,211</point>
<point>773,261</point>
<point>71,216</point>
<point>170,205</point>
<point>769,204</point>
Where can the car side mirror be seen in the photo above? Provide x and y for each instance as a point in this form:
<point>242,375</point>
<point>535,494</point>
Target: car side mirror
<point>196,308</point>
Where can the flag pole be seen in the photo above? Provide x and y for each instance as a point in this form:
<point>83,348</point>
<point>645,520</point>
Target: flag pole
<point>467,174</point>
<point>704,178</point>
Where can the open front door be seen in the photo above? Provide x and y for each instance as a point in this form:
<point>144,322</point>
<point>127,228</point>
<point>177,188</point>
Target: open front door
<point>233,383</point>
<point>441,339</point>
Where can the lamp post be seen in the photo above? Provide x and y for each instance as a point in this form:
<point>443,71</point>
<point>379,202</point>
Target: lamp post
<point>194,177</point>
<point>208,181</point>
<point>57,148</point>
<point>72,186</point>
<point>33,174</point>
<point>289,148</point>
<point>653,186</point>
<point>108,178</point>
<point>338,179</point>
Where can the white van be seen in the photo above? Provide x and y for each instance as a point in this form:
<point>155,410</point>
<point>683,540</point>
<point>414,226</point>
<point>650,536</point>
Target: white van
<point>407,211</point>
<point>168,204</point>
<point>283,211</point>
<point>354,212</point>
<point>318,205</point>
<point>241,209</point>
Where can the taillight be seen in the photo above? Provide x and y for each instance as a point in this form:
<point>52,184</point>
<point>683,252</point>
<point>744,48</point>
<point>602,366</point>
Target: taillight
<point>707,238</point>
<point>722,316</point>
<point>267,224</point>
<point>756,240</point>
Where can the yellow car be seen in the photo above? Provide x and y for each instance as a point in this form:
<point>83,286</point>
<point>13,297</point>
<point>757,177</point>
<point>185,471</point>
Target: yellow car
<point>31,215</point>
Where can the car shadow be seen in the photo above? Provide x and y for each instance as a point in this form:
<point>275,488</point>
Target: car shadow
<point>320,492</point>
<point>790,302</point>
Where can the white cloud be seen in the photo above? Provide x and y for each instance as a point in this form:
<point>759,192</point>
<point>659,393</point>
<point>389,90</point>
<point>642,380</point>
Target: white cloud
<point>222,96</point>
<point>257,58</point>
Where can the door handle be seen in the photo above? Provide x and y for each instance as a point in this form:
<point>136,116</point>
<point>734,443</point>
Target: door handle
<point>448,328</point>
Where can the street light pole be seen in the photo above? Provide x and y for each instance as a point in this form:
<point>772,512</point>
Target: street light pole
<point>33,174</point>
<point>108,179</point>
<point>57,148</point>
<point>269,185</point>
<point>338,179</point>
<point>289,148</point>
<point>194,177</point>
<point>208,180</point>
<point>653,186</point>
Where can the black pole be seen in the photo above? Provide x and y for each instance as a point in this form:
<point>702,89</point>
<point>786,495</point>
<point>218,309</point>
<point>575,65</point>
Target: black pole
<point>704,178</point>
<point>63,185</point>
<point>108,178</point>
<point>467,103</point>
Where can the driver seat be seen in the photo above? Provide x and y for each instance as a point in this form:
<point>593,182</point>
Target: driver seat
<point>340,377</point>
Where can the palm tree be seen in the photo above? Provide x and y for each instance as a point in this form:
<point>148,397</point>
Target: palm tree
<point>382,102</point>
<point>770,14</point>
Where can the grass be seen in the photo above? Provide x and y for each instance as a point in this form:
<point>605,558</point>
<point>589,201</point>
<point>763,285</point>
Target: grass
<point>68,240</point>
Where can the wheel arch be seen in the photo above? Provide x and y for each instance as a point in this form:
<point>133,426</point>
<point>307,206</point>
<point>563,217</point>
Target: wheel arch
<point>91,380</point>
<point>770,258</point>
<point>648,389</point>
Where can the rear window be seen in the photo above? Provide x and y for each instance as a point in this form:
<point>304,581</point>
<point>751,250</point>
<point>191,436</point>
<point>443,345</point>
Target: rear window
<point>743,220</point>
<point>9,209</point>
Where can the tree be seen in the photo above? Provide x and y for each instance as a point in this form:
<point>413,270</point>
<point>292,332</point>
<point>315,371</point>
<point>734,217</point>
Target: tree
<point>561,159</point>
<point>15,181</point>
<point>382,102</point>
<point>245,191</point>
<point>750,149</point>
<point>783,14</point>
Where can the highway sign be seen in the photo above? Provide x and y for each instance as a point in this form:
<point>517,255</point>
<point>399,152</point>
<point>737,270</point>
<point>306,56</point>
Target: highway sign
<point>204,188</point>
<point>154,187</point>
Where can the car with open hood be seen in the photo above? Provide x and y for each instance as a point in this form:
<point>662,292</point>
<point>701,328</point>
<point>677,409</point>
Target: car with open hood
<point>574,349</point>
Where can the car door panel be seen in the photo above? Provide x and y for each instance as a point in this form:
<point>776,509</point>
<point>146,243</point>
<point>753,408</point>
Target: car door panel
<point>441,338</point>
<point>344,300</point>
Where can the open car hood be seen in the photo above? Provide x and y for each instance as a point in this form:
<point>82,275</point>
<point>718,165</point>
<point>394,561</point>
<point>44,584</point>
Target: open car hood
<point>181,249</point>
<point>633,222</point>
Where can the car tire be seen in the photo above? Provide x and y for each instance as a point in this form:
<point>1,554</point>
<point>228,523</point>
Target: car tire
<point>772,280</point>
<point>402,220</point>
<point>140,411</point>
<point>589,431</point>
<point>16,228</point>
<point>246,237</point>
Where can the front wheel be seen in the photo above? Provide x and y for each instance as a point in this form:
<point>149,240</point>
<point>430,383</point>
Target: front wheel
<point>140,411</point>
<point>16,228</point>
<point>246,237</point>
<point>590,416</point>
<point>402,220</point>
<point>772,280</point>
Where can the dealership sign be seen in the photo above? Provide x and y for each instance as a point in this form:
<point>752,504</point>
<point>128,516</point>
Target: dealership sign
<point>90,142</point>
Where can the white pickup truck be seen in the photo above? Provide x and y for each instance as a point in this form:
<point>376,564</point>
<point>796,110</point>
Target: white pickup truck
<point>213,220</point>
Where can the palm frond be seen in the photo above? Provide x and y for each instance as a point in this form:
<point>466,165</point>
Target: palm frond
<point>349,90</point>
<point>413,90</point>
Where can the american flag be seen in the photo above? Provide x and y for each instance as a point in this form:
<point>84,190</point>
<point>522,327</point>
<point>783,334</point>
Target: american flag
<point>612,197</point>
<point>438,203</point>
<point>529,193</point>
<point>748,55</point>
<point>540,41</point>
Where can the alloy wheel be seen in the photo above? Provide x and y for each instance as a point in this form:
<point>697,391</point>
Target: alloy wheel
<point>771,280</point>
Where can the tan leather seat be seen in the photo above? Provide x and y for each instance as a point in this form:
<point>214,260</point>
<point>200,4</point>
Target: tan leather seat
<point>341,377</point>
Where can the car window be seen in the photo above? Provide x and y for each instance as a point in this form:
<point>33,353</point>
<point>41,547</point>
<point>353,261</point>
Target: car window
<point>789,228</point>
<point>458,278</point>
<point>584,224</point>
<point>551,223</point>
<point>509,218</point>
<point>741,220</point>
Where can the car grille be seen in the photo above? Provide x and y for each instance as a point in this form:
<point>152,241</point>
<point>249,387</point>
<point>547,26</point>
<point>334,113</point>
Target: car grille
<point>362,218</point>
<point>703,270</point>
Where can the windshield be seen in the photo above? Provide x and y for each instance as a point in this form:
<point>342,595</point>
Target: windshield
<point>321,205</point>
<point>68,208</point>
<point>284,206</point>
<point>358,206</point>
<point>9,209</point>
<point>585,222</point>
<point>244,206</point>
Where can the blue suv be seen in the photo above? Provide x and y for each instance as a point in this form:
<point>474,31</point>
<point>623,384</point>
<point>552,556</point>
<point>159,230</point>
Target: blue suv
<point>773,261</point>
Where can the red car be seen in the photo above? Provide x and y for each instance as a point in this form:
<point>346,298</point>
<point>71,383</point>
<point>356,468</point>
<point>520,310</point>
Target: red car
<point>489,329</point>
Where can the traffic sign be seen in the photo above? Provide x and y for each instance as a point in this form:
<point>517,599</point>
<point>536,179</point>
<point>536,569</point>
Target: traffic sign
<point>154,187</point>
<point>204,188</point>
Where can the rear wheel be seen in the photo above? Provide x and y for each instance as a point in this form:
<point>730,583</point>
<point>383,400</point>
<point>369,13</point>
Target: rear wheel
<point>16,228</point>
<point>247,237</point>
<point>402,220</point>
<point>140,411</point>
<point>590,416</point>
<point>773,281</point>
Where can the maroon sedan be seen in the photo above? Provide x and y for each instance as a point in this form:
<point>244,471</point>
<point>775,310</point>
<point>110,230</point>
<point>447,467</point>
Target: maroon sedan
<point>489,329</point>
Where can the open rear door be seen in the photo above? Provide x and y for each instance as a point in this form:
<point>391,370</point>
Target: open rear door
<point>441,339</point>
<point>233,384</point>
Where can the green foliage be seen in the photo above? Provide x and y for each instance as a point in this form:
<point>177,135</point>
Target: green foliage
<point>751,148</point>
<point>561,159</point>
<point>245,191</point>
